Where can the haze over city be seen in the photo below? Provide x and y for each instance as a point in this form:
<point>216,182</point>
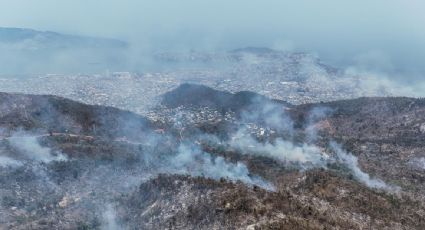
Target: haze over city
<point>202,114</point>
<point>380,36</point>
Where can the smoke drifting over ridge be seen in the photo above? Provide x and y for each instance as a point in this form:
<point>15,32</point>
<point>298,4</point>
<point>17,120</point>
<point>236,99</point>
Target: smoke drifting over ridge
<point>9,162</point>
<point>265,129</point>
<point>264,147</point>
<point>192,161</point>
<point>352,163</point>
<point>30,146</point>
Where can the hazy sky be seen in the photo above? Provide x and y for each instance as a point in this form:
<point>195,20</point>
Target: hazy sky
<point>386,35</point>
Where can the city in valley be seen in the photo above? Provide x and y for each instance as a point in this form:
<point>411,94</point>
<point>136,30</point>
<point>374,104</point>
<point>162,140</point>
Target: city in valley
<point>212,115</point>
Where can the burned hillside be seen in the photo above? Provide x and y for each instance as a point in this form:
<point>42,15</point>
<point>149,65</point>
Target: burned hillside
<point>207,159</point>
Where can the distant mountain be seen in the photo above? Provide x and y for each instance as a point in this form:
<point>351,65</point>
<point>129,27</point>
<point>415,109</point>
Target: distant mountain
<point>49,40</point>
<point>256,50</point>
<point>203,96</point>
<point>31,51</point>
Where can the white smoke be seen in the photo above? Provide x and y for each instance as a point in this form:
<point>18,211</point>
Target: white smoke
<point>282,150</point>
<point>418,163</point>
<point>191,160</point>
<point>315,115</point>
<point>376,83</point>
<point>31,148</point>
<point>421,162</point>
<point>9,162</point>
<point>352,163</point>
<point>109,219</point>
<point>273,115</point>
<point>306,154</point>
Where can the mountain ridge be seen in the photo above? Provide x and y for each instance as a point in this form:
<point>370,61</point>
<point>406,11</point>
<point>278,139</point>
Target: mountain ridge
<point>114,159</point>
<point>13,35</point>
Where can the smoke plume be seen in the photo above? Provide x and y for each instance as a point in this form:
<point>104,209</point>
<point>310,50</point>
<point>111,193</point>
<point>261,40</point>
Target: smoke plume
<point>282,150</point>
<point>352,163</point>
<point>32,149</point>
<point>193,161</point>
<point>109,219</point>
<point>9,162</point>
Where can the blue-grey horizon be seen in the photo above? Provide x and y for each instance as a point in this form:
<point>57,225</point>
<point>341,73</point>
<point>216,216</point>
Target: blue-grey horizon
<point>387,36</point>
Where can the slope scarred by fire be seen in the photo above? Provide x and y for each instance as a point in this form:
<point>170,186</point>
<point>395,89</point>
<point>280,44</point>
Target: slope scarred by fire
<point>208,159</point>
